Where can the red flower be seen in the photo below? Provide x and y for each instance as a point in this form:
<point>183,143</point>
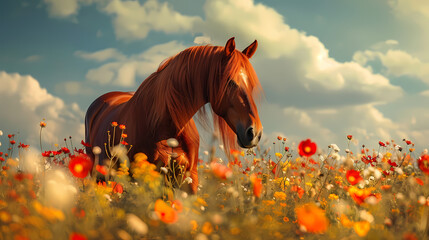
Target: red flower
<point>12,142</point>
<point>419,181</point>
<point>101,169</point>
<point>77,236</point>
<point>408,142</point>
<point>1,154</point>
<point>122,126</point>
<point>287,149</point>
<point>349,137</point>
<point>279,138</point>
<point>381,144</point>
<point>307,148</point>
<point>257,187</point>
<point>47,153</point>
<point>1,159</point>
<point>80,165</point>
<point>299,190</point>
<point>114,124</point>
<point>124,143</point>
<point>22,145</point>
<point>10,135</point>
<point>423,163</point>
<point>65,150</point>
<point>353,177</point>
<point>78,212</point>
<point>117,188</point>
<point>85,144</point>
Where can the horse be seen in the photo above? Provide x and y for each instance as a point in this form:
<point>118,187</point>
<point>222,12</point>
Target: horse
<point>165,103</point>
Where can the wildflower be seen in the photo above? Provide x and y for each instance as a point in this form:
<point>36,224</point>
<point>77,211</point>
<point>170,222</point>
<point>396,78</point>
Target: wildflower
<point>188,180</point>
<point>12,142</point>
<point>279,155</point>
<point>220,170</point>
<point>124,135</point>
<point>114,124</point>
<point>65,150</point>
<point>207,228</point>
<point>117,188</point>
<point>77,236</point>
<point>124,143</point>
<point>177,205</point>
<point>333,196</point>
<point>96,150</point>
<point>280,195</point>
<point>5,217</point>
<point>359,195</point>
<point>307,148</point>
<point>80,165</point>
<point>42,124</point>
<point>299,190</point>
<point>382,144</point>
<point>22,145</point>
<point>345,221</point>
<point>78,212</point>
<point>287,149</point>
<point>85,144</point>
<point>353,177</point>
<point>165,212</point>
<point>334,147</point>
<point>419,181</point>
<point>122,127</point>
<point>423,163</point>
<point>101,169</point>
<point>361,228</point>
<point>285,219</point>
<point>312,218</point>
<point>349,137</point>
<point>257,186</point>
<point>136,224</point>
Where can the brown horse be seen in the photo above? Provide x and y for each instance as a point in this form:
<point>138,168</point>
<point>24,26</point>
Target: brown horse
<point>165,103</point>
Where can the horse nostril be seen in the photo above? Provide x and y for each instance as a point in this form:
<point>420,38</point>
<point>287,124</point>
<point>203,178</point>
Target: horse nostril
<point>250,134</point>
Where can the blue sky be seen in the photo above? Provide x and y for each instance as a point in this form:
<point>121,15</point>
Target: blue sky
<point>328,68</point>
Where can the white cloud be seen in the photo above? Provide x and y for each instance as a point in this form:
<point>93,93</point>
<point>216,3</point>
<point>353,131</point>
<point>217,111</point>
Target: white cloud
<point>125,70</point>
<point>411,8</point>
<point>33,58</point>
<point>133,21</point>
<point>102,55</point>
<point>24,103</point>
<point>397,63</point>
<point>63,8</point>
<point>72,88</point>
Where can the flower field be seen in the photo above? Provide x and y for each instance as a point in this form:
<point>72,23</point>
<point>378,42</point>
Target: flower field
<point>284,192</point>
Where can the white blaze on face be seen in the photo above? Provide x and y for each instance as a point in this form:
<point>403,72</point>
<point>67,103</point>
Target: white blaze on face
<point>244,77</point>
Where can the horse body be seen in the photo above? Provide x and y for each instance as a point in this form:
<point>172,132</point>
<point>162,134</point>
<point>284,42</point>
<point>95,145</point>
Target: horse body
<point>164,104</point>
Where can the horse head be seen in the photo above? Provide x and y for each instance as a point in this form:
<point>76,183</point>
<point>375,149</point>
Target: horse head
<point>236,105</point>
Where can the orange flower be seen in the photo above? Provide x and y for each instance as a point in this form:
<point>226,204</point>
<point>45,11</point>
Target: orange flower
<point>117,188</point>
<point>80,165</point>
<point>122,126</point>
<point>423,163</point>
<point>353,177</point>
<point>221,171</point>
<point>307,148</point>
<point>257,186</point>
<point>362,228</point>
<point>165,212</point>
<point>114,124</point>
<point>359,195</point>
<point>312,218</point>
<point>42,124</point>
<point>349,137</point>
<point>386,187</point>
<point>345,221</point>
<point>299,190</point>
<point>101,169</point>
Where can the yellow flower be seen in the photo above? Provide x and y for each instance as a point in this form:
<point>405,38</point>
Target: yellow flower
<point>5,216</point>
<point>362,228</point>
<point>279,155</point>
<point>280,195</point>
<point>345,221</point>
<point>333,196</point>
<point>268,202</point>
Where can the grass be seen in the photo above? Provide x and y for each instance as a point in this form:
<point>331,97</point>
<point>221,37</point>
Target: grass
<point>281,193</point>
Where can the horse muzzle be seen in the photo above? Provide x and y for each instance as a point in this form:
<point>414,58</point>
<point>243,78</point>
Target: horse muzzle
<point>249,137</point>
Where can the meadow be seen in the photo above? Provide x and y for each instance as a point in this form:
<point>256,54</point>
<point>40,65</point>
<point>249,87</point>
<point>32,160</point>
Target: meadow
<point>283,192</point>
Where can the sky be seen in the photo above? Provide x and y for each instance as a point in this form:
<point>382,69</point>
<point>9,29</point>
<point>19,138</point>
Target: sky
<point>328,68</point>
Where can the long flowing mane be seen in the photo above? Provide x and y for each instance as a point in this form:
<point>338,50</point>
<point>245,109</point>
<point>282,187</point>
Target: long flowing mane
<point>175,79</point>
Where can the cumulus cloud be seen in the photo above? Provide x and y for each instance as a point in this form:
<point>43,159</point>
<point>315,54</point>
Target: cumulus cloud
<point>24,103</point>
<point>72,88</point>
<point>294,68</point>
<point>133,20</point>
<point>102,55</point>
<point>124,71</point>
<point>397,63</point>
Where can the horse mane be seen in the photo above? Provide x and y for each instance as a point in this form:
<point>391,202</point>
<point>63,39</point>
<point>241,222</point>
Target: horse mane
<point>199,73</point>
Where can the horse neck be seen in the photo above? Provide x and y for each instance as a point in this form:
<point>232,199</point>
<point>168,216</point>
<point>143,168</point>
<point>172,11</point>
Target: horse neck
<point>170,98</point>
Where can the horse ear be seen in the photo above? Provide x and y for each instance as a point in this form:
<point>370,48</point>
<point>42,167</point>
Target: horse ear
<point>251,49</point>
<point>230,47</point>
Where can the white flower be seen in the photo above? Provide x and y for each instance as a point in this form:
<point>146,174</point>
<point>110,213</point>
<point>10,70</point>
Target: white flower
<point>334,147</point>
<point>172,142</point>
<point>336,156</point>
<point>1,133</point>
<point>96,150</point>
<point>206,153</point>
<point>399,170</point>
<point>221,147</point>
<point>164,170</point>
<point>188,180</point>
<point>136,224</point>
<point>347,150</point>
<point>365,215</point>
